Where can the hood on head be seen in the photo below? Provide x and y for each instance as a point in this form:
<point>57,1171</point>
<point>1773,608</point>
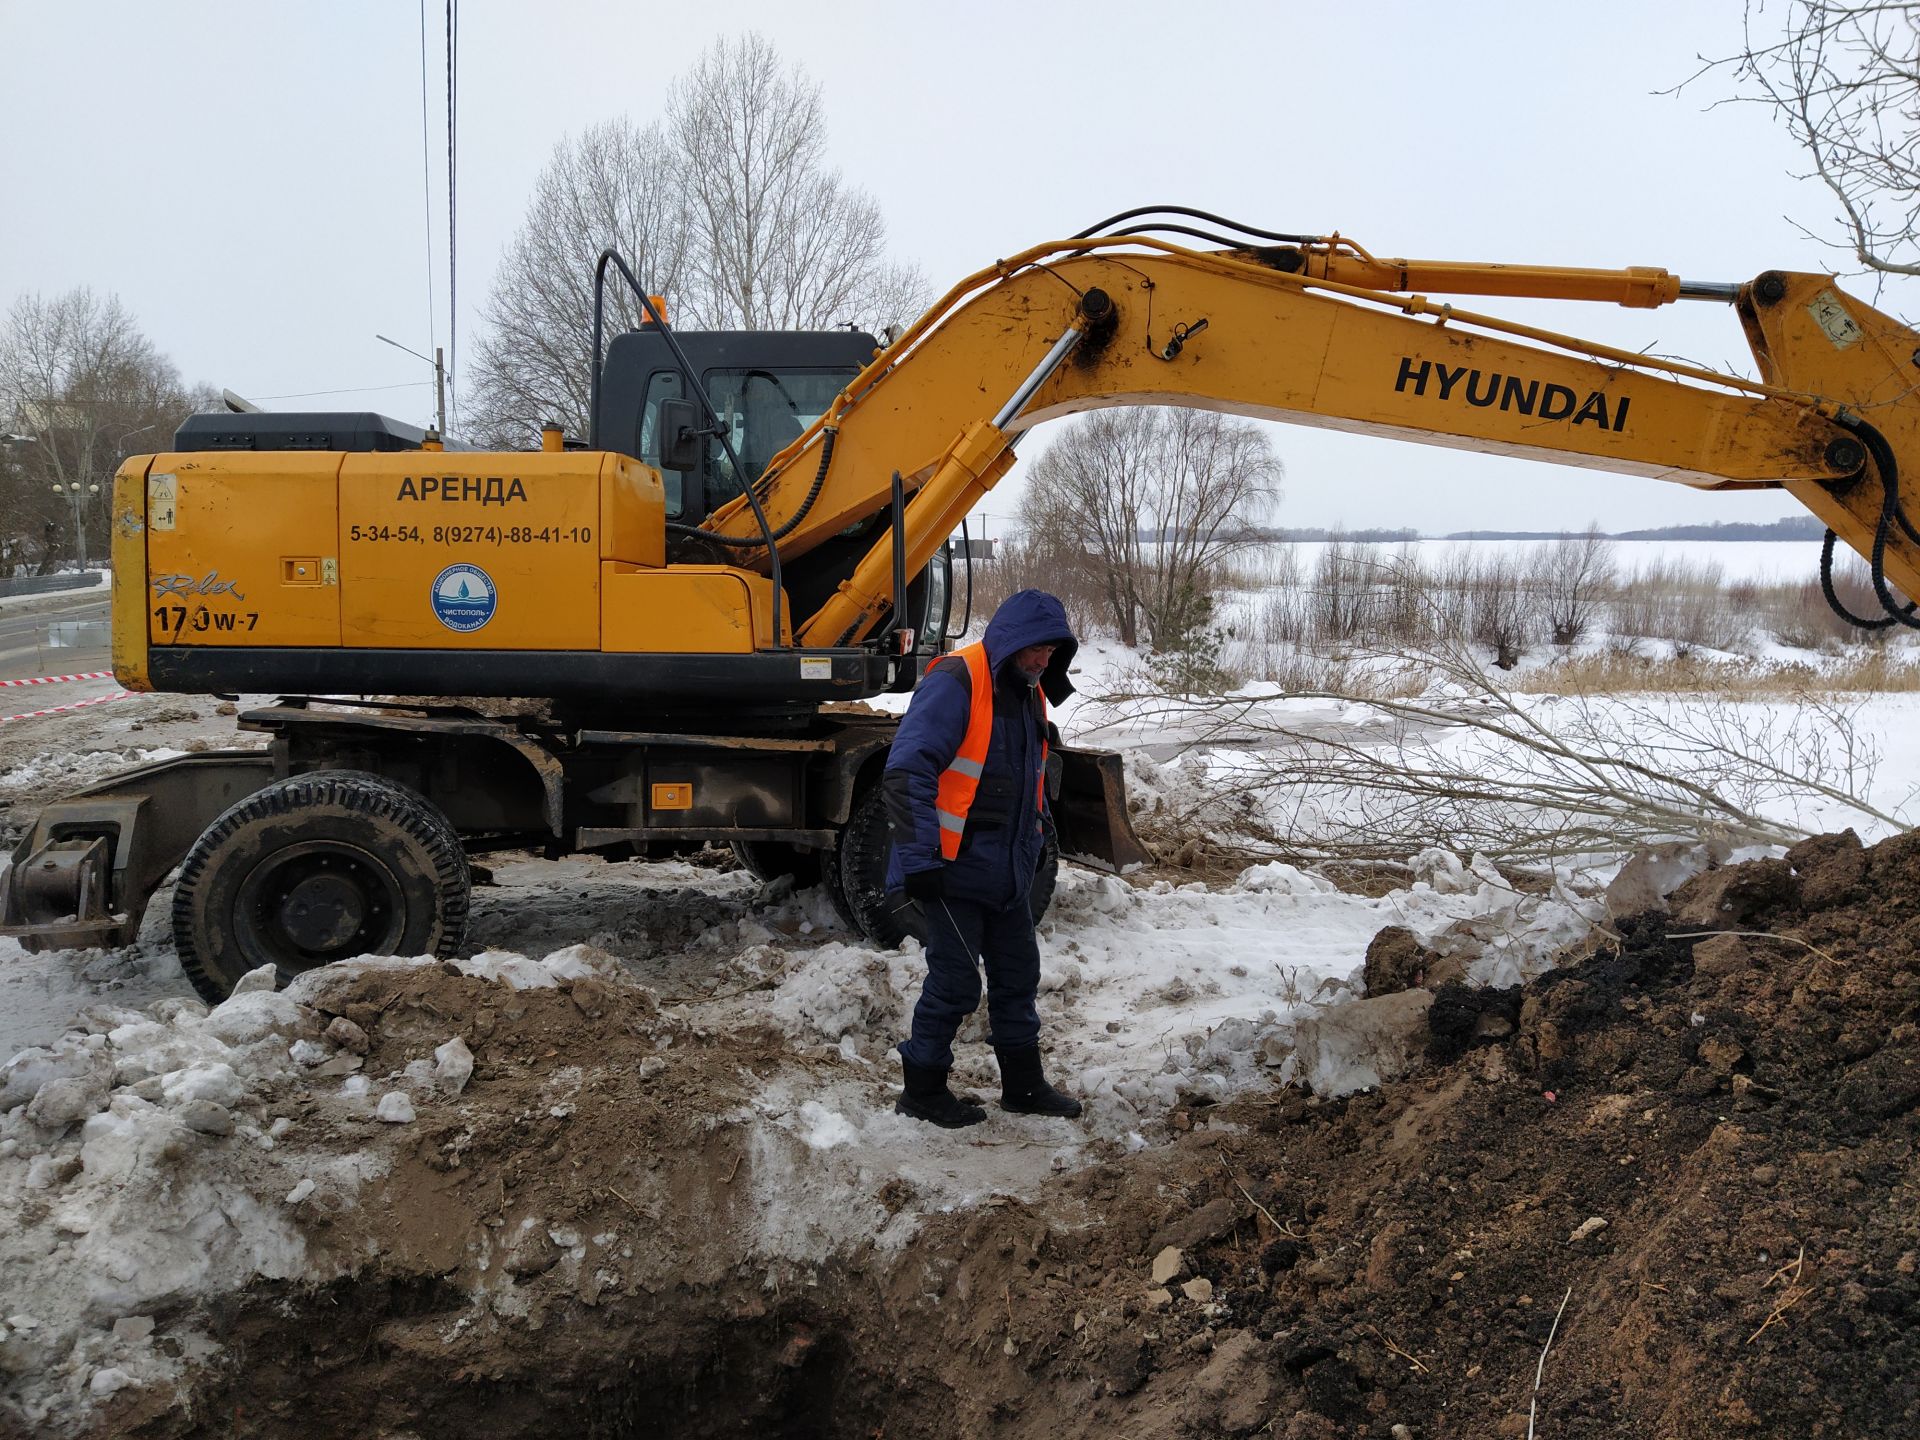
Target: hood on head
<point>1033,617</point>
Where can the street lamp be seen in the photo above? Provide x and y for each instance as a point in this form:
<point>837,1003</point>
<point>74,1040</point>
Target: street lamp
<point>76,493</point>
<point>439,363</point>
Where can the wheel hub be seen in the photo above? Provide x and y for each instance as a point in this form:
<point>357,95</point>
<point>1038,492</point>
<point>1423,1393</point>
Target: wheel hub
<point>323,912</point>
<point>320,901</point>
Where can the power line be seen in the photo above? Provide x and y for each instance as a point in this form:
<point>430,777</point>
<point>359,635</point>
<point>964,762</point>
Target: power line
<point>350,390</point>
<point>426,174</point>
<point>453,120</point>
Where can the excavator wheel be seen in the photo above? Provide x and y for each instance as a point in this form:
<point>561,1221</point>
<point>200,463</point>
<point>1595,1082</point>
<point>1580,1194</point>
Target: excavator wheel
<point>837,892</point>
<point>862,862</point>
<point>863,873</point>
<point>316,868</point>
<point>769,860</point>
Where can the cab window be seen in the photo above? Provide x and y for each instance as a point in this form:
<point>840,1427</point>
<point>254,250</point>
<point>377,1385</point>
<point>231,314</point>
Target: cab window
<point>661,385</point>
<point>762,412</point>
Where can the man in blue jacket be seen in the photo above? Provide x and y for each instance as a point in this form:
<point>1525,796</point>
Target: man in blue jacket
<point>966,802</point>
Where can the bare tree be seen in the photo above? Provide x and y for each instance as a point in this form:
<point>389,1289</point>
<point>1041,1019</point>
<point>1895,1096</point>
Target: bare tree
<point>1503,609</point>
<point>1343,600</point>
<point>81,388</point>
<point>1845,81</point>
<point>780,241</point>
<point>1083,505</point>
<point>1574,575</point>
<point>617,186</point>
<point>726,206</point>
<point>1148,502</point>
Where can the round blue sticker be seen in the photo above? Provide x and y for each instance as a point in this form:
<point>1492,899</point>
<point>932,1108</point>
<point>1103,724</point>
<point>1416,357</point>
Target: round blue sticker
<point>463,597</point>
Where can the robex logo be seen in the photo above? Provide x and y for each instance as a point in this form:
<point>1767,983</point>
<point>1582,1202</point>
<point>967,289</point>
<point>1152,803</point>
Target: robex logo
<point>1510,392</point>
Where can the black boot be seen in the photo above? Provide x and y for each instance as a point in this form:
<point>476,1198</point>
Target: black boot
<point>927,1098</point>
<point>1023,1087</point>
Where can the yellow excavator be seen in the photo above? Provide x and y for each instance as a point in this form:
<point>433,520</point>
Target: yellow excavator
<point>756,531</point>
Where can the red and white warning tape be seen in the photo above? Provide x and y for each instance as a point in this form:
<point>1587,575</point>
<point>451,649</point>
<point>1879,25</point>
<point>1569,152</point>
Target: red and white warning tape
<point>59,679</point>
<point>76,705</point>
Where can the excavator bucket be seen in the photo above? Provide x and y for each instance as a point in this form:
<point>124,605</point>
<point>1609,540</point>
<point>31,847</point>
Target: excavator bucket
<point>1090,811</point>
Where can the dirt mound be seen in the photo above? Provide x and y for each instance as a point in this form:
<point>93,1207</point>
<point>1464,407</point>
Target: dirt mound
<point>1688,1157</point>
<point>1703,1142</point>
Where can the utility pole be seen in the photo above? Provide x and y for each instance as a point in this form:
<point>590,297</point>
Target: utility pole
<point>76,493</point>
<point>439,363</point>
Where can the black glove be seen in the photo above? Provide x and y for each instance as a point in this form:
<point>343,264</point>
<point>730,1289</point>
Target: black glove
<point>927,884</point>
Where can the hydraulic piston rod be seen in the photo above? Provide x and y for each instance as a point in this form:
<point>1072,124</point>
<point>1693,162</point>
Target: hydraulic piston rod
<point>972,464</point>
<point>1042,373</point>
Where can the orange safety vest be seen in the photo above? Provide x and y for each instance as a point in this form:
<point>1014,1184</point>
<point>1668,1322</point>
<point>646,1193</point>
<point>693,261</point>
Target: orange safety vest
<point>960,781</point>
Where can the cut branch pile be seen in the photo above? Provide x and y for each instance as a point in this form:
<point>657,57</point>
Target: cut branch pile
<point>1526,780</point>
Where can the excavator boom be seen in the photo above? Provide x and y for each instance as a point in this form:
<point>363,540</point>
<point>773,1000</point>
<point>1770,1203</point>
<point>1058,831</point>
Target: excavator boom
<point>689,628</point>
<point>1324,335</point>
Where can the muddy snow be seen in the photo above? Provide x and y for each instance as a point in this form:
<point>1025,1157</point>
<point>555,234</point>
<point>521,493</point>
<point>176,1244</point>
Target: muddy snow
<point>652,1103</point>
<point>156,1157</point>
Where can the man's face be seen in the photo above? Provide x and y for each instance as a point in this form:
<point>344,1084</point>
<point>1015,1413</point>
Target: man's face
<point>1033,660</point>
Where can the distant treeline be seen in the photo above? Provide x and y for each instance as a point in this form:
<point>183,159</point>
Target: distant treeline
<point>1363,537</point>
<point>1793,527</point>
<point>1283,533</point>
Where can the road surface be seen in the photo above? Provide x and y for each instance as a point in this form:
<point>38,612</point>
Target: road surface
<point>64,636</point>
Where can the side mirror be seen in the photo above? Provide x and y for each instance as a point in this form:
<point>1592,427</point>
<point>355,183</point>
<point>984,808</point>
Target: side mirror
<point>682,443</point>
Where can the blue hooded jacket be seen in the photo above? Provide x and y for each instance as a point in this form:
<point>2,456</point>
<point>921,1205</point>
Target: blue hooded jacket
<point>1001,846</point>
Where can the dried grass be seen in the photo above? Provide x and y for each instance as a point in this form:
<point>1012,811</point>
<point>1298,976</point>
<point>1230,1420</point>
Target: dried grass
<point>1319,619</point>
<point>1619,672</point>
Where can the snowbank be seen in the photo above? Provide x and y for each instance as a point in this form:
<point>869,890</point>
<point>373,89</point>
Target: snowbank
<point>154,1158</point>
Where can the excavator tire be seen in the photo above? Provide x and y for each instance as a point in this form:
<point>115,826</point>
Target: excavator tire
<point>863,874</point>
<point>770,859</point>
<point>316,868</point>
<point>830,880</point>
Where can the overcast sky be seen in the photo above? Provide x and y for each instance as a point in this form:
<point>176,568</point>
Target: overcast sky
<point>248,177</point>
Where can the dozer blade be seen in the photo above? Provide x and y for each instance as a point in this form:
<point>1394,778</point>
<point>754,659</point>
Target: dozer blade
<point>1090,811</point>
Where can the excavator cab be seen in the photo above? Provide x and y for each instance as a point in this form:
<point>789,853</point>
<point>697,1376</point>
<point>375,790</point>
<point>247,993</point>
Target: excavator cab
<point>766,388</point>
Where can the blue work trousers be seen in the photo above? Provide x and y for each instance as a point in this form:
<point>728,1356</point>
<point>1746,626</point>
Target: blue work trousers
<point>962,937</point>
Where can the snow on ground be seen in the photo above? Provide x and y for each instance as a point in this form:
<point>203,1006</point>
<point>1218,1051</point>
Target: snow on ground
<point>41,994</point>
<point>72,771</point>
<point>1151,996</point>
<point>1156,996</point>
<point>1755,561</point>
<point>106,1221</point>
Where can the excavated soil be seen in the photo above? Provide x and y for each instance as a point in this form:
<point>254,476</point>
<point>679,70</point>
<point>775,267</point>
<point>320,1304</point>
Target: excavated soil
<point>1693,1151</point>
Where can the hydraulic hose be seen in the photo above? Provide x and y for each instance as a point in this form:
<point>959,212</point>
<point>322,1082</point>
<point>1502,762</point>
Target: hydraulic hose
<point>1892,513</point>
<point>755,542</point>
<point>1193,214</point>
<point>966,542</point>
<point>699,391</point>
